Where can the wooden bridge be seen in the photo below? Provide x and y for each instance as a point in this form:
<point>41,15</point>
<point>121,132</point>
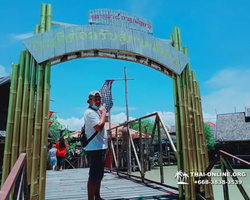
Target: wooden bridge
<point>28,120</point>
<point>71,184</point>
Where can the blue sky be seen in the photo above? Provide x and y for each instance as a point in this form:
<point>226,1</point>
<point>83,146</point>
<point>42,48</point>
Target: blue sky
<point>216,33</point>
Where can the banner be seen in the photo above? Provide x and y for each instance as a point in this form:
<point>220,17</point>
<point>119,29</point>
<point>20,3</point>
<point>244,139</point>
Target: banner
<point>106,94</point>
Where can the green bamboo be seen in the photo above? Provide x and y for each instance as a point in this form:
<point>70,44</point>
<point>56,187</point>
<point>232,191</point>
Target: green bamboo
<point>31,114</point>
<point>16,133</point>
<point>177,129</point>
<point>181,115</point>
<point>24,118</point>
<point>44,143</point>
<point>199,130</point>
<point>191,113</point>
<point>188,137</point>
<point>190,133</point>
<point>10,122</point>
<point>186,132</point>
<point>38,119</point>
<point>171,37</point>
<point>196,130</point>
<point>204,144</point>
<point>37,132</point>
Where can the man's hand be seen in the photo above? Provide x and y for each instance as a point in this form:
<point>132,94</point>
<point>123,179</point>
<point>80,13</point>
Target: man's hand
<point>101,124</point>
<point>103,109</point>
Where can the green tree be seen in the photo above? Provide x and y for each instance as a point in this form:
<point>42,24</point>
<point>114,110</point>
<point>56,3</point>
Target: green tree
<point>56,127</point>
<point>209,137</point>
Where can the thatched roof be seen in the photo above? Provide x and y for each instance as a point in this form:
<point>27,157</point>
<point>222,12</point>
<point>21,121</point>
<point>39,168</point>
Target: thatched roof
<point>213,130</point>
<point>232,127</point>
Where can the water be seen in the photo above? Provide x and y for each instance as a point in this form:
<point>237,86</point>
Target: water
<point>234,193</point>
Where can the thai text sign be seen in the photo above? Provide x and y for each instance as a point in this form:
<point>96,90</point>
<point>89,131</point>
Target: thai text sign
<point>119,18</point>
<point>62,41</point>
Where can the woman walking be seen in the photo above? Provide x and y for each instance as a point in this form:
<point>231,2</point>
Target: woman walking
<point>61,147</point>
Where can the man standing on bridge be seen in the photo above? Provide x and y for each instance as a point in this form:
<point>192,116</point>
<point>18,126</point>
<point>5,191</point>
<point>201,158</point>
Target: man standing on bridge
<point>94,119</point>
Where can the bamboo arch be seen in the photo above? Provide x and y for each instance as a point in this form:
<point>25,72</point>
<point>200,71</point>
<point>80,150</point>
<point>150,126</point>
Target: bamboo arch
<point>28,117</point>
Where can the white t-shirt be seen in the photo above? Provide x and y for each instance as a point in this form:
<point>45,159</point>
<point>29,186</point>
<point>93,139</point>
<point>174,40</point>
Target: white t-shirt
<point>100,141</point>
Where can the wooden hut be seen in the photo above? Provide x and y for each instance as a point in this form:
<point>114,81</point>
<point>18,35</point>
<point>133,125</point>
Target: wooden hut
<point>233,133</point>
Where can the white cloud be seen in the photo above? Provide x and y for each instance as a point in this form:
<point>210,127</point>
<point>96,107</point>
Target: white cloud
<point>72,123</point>
<point>168,118</point>
<point>3,71</point>
<point>21,36</point>
<point>229,90</point>
<point>120,118</point>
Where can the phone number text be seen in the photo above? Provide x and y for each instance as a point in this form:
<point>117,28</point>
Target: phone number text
<point>218,182</point>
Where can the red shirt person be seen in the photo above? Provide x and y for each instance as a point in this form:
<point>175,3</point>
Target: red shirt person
<point>61,147</point>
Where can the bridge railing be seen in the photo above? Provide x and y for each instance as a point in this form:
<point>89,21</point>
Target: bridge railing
<point>141,159</point>
<point>16,185</point>
<point>223,157</point>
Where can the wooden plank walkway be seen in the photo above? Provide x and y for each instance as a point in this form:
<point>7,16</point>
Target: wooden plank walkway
<point>71,184</point>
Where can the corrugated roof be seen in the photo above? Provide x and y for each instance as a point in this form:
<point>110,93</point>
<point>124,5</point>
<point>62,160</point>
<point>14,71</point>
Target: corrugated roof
<point>232,127</point>
<point>4,80</point>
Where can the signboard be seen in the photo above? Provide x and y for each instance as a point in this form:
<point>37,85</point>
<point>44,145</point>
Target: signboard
<point>60,42</point>
<point>119,18</point>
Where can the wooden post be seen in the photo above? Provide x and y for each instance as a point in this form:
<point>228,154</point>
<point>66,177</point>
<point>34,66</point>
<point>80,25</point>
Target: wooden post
<point>224,178</point>
<point>160,151</point>
<point>141,147</point>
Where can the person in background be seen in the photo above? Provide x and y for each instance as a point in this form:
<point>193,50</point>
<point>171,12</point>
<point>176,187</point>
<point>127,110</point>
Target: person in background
<point>61,147</point>
<point>52,157</point>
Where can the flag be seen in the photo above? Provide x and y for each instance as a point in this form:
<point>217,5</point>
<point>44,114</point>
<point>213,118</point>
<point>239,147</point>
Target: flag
<point>50,123</point>
<point>106,94</point>
<point>50,114</point>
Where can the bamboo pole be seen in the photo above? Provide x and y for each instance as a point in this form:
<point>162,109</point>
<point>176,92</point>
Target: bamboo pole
<point>177,125</point>
<point>24,118</point>
<point>14,153</point>
<point>191,112</point>
<point>37,132</point>
<point>44,142</point>
<point>186,124</point>
<point>38,118</point>
<point>181,115</point>
<point>10,122</point>
<point>196,128</point>
<point>199,128</point>
<point>209,187</point>
<point>31,114</point>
